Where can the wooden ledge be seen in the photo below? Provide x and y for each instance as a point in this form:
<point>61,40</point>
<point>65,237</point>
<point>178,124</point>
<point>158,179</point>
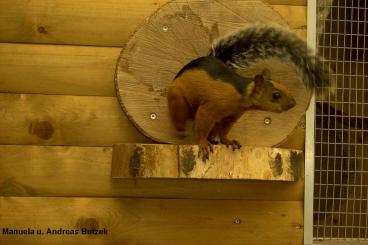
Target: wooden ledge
<point>181,161</point>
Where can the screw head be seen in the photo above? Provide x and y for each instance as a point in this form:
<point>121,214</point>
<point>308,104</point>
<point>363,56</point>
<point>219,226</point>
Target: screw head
<point>267,121</point>
<point>165,28</point>
<point>153,116</point>
<point>237,221</point>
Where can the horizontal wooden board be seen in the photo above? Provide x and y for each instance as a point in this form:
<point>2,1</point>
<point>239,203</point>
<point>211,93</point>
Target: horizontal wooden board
<point>64,120</point>
<point>86,171</point>
<point>57,69</point>
<point>93,22</point>
<point>80,120</point>
<point>106,23</point>
<point>153,221</point>
<point>182,161</point>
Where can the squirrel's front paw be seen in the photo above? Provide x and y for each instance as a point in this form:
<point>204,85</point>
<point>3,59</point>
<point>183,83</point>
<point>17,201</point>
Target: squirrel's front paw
<point>214,142</point>
<point>204,151</point>
<point>233,143</point>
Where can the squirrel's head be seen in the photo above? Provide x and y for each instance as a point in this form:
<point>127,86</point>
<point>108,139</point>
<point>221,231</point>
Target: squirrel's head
<point>270,95</point>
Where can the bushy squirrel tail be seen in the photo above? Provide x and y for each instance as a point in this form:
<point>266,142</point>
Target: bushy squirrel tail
<point>253,42</point>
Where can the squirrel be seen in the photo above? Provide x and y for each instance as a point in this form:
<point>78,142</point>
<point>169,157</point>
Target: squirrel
<point>209,91</point>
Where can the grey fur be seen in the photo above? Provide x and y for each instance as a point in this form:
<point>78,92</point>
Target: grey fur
<point>245,46</point>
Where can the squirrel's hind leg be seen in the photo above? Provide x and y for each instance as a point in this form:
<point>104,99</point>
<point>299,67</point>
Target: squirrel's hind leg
<point>179,109</point>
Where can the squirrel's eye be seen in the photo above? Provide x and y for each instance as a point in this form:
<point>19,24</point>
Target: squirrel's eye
<point>276,95</point>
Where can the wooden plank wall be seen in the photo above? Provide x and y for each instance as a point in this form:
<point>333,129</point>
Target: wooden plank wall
<point>59,118</point>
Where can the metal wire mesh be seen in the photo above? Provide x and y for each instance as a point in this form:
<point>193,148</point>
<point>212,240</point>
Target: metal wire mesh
<point>341,148</point>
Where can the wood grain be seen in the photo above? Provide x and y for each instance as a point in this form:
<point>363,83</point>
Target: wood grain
<point>101,23</point>
<point>296,140</point>
<point>86,171</point>
<point>57,69</point>
<point>79,70</point>
<point>295,17</point>
<point>142,160</point>
<point>169,161</point>
<point>64,120</point>
<point>154,221</point>
<point>17,121</point>
<point>72,171</point>
<point>247,163</point>
<point>106,23</point>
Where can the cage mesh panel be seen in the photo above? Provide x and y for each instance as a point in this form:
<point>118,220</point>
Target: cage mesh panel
<point>341,147</point>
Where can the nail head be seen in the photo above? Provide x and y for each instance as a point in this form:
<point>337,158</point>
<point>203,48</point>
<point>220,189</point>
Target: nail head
<point>267,121</point>
<point>237,221</point>
<point>153,116</point>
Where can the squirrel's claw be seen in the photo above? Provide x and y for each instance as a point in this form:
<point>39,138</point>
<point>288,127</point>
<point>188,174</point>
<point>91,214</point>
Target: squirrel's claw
<point>234,144</point>
<point>204,151</point>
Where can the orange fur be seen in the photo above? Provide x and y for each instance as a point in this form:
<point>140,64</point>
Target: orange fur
<point>211,102</point>
<point>216,105</point>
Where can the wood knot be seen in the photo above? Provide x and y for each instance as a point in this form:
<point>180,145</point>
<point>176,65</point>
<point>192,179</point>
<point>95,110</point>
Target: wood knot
<point>42,30</point>
<point>88,223</point>
<point>276,165</point>
<point>188,161</point>
<point>136,161</point>
<point>10,187</point>
<point>42,129</point>
<point>296,161</point>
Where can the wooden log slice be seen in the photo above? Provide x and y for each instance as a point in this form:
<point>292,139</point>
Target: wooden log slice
<point>179,32</point>
<point>181,161</point>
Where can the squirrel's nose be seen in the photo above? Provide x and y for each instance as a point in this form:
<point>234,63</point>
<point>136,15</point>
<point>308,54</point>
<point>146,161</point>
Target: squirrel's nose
<point>291,103</point>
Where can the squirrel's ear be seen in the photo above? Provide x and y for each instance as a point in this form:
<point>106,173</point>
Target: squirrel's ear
<point>258,81</point>
<point>266,73</point>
